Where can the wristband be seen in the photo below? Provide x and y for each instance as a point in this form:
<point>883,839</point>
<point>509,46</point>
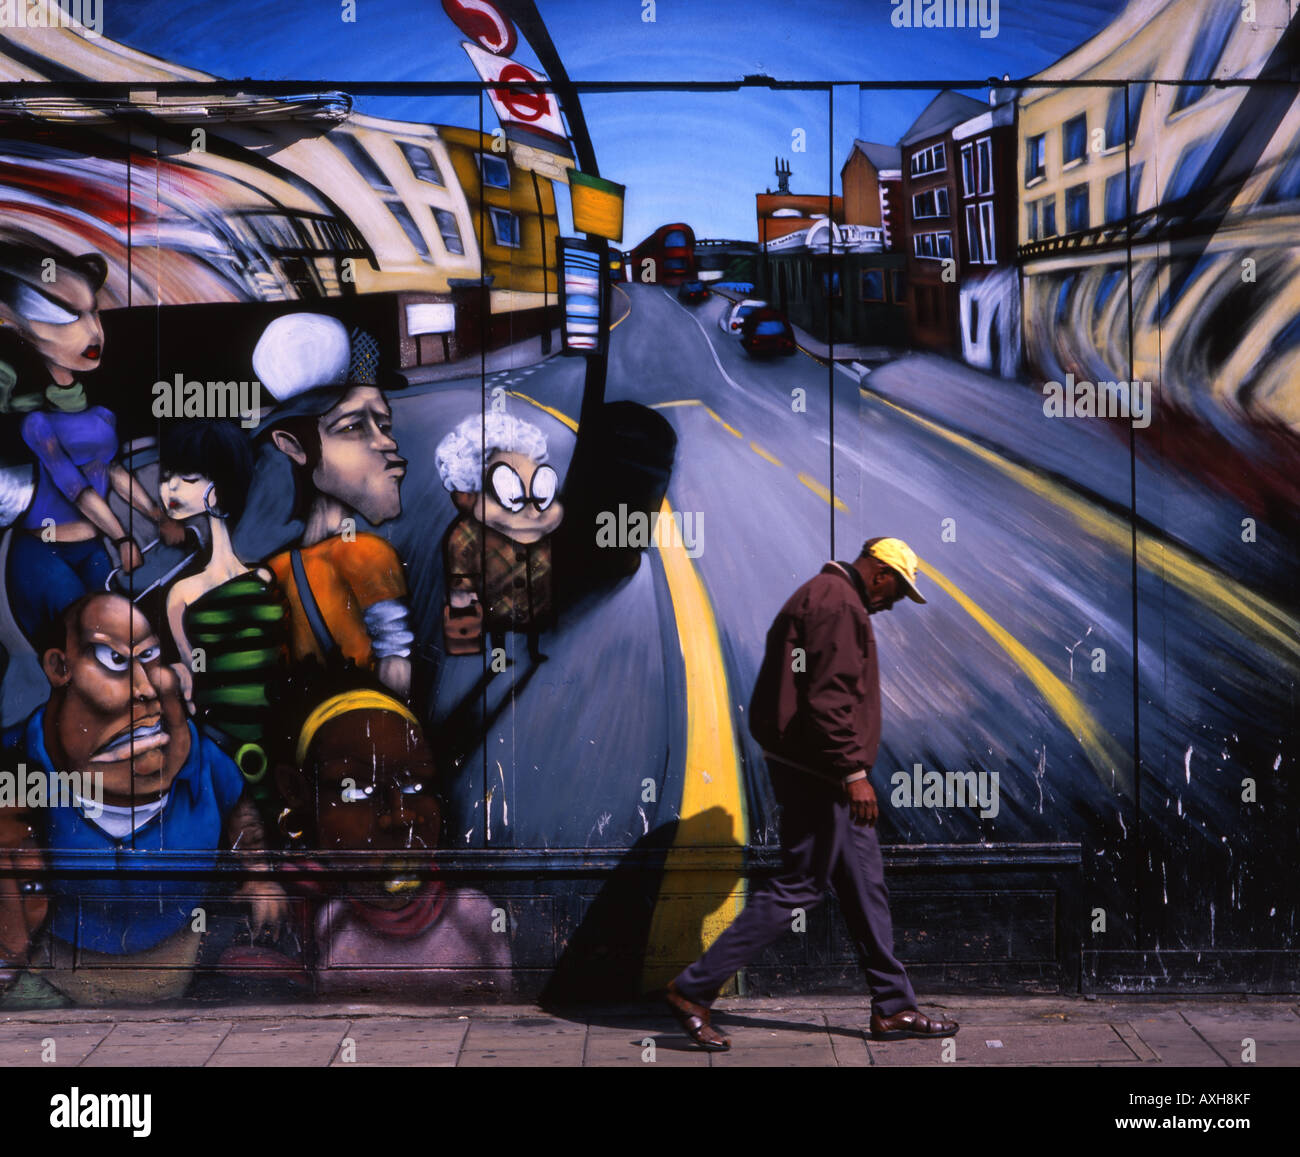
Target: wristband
<point>125,538</point>
<point>855,776</point>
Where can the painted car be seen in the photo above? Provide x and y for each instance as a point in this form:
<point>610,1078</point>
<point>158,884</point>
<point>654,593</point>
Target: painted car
<point>693,292</point>
<point>732,319</point>
<point>766,331</point>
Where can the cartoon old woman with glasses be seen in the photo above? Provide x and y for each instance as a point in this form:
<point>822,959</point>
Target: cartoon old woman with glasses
<point>497,554</point>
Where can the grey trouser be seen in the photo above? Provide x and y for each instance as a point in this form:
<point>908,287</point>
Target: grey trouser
<point>823,848</point>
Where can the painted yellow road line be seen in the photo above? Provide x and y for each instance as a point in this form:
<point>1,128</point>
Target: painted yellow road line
<point>1111,763</point>
<point>696,902</point>
<point>556,414</point>
<point>1106,756</point>
<point>626,313</point>
<point>1230,600</point>
<point>764,454</point>
<point>730,429</point>
<point>818,489</point>
<point>1108,759</point>
<point>694,906</point>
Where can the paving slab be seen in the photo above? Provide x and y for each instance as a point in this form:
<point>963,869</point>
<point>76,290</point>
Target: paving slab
<point>1081,1044</point>
<point>850,1051</point>
<point>519,1058</point>
<point>164,1044</point>
<point>1174,1041</point>
<point>292,1043</point>
<point>631,1051</point>
<point>809,1054</point>
<point>409,1043</point>
<point>22,1045</point>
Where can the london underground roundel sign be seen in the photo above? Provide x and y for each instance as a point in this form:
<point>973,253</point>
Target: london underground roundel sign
<point>484,23</point>
<point>527,103</point>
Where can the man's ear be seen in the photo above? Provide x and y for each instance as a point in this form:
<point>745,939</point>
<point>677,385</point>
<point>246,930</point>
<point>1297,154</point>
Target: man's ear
<point>55,665</point>
<point>288,445</point>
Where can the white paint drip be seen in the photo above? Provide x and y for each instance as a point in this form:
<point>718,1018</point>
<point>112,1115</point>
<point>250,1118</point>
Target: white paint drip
<point>1075,648</point>
<point>1187,763</point>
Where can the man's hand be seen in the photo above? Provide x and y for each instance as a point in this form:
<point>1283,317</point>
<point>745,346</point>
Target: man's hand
<point>170,531</point>
<point>863,808</point>
<point>269,904</point>
<point>129,556</point>
<point>186,677</point>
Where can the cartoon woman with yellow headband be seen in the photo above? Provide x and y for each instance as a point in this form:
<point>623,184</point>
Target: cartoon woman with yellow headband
<point>365,781</point>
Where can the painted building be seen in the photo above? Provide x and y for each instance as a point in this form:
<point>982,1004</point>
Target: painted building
<point>930,194</point>
<point>1143,200</point>
<point>838,283</point>
<point>871,180</point>
<point>987,215</point>
<point>513,218</point>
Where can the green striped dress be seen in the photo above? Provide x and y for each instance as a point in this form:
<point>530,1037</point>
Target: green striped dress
<point>242,627</point>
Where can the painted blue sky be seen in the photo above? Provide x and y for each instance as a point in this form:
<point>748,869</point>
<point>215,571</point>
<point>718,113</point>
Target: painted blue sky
<point>694,157</point>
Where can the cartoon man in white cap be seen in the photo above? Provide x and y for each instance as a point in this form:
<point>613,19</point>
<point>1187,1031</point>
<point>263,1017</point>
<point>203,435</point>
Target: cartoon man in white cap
<point>346,590</point>
<point>816,711</point>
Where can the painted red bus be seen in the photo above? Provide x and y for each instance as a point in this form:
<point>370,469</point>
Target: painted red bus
<point>672,249</point>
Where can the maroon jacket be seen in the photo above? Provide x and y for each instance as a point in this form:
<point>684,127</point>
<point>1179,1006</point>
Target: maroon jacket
<point>825,717</point>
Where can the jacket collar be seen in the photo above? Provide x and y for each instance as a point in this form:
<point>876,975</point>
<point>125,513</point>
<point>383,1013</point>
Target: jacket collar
<point>848,572</point>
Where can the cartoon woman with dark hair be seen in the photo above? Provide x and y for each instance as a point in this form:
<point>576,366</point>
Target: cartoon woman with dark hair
<point>229,621</point>
<point>48,298</point>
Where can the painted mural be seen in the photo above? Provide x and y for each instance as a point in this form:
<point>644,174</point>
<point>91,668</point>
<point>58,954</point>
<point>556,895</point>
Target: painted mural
<point>402,470</point>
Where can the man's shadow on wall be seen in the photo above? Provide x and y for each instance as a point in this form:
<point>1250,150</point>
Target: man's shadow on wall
<point>604,958</point>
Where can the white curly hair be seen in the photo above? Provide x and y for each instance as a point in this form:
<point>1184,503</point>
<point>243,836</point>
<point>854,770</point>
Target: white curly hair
<point>462,453</point>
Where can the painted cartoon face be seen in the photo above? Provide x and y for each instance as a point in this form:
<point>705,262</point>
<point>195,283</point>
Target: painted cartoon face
<point>374,779</point>
<point>359,464</point>
<point>518,497</point>
<point>115,708</point>
<point>62,323</point>
<point>183,496</point>
<point>23,899</point>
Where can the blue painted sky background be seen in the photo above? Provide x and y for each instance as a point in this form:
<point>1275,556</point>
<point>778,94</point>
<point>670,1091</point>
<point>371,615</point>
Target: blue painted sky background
<point>690,156</point>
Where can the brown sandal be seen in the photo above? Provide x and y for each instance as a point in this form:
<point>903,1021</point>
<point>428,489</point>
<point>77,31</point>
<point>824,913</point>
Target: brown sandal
<point>694,1018</point>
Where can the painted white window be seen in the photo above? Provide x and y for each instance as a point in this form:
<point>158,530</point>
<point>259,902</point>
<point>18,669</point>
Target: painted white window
<point>973,251</point>
<point>988,243</point>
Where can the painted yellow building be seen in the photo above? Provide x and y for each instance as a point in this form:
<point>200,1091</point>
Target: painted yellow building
<point>514,220</point>
<point>395,182</point>
<point>1169,172</point>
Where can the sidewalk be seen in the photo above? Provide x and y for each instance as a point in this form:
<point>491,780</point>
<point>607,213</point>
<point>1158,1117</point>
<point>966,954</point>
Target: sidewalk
<point>511,357</point>
<point>785,1032</point>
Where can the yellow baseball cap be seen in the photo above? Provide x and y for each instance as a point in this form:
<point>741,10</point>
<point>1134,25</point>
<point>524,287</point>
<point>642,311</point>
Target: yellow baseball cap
<point>901,558</point>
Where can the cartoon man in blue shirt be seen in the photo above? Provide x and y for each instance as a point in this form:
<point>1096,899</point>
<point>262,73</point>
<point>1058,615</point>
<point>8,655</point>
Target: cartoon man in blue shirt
<point>116,717</point>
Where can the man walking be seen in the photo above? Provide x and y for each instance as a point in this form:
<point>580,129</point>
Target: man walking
<point>816,711</point>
